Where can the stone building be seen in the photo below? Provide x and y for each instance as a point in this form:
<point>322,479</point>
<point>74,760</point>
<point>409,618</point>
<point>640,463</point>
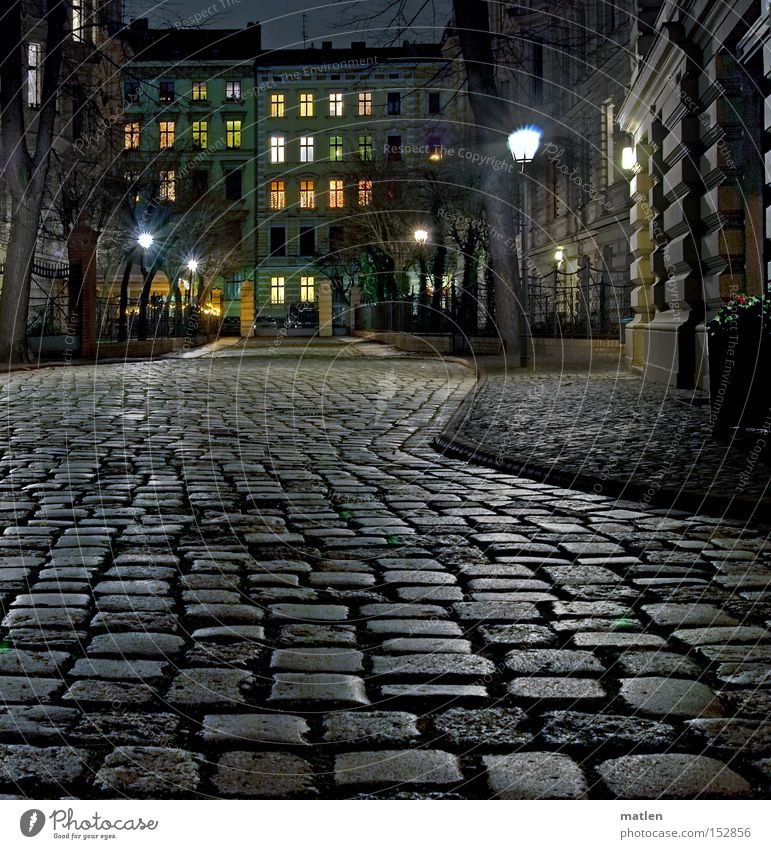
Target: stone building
<point>563,67</point>
<point>699,121</point>
<point>323,115</point>
<point>87,97</point>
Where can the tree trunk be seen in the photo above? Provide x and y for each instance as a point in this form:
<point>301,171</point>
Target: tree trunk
<point>14,299</point>
<point>437,271</point>
<point>472,24</point>
<point>123,305</point>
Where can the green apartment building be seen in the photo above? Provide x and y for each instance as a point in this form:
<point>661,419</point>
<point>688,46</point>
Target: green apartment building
<point>262,144</point>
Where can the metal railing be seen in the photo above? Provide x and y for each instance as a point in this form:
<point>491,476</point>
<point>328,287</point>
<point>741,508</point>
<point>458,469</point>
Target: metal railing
<point>163,321</point>
<point>589,302</point>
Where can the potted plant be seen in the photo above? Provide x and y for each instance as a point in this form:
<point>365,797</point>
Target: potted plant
<point>739,339</point>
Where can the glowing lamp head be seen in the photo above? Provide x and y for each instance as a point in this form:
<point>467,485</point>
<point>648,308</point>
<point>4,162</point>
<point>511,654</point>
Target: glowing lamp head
<point>628,159</point>
<point>421,236</point>
<point>559,255</point>
<point>193,265</point>
<point>145,240</point>
<point>523,144</point>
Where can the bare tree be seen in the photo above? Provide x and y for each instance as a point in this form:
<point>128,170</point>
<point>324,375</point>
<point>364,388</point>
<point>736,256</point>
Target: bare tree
<point>26,157</point>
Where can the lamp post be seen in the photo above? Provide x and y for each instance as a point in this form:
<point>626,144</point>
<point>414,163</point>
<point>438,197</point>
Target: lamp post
<point>145,241</point>
<point>193,268</point>
<point>421,237</point>
<point>523,144</point>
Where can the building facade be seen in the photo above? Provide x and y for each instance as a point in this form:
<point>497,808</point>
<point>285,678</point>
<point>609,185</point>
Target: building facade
<point>699,217</point>
<point>264,148</point>
<point>563,67</point>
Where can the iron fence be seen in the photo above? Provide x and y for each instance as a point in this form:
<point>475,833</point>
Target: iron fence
<point>589,302</point>
<point>163,321</point>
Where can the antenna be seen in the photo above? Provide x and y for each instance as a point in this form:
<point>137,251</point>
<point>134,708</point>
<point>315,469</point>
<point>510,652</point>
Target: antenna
<point>305,31</point>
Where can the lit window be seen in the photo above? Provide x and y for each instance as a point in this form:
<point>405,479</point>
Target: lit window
<point>336,194</point>
<point>434,148</point>
<point>131,136</point>
<point>336,148</point>
<point>307,288</point>
<point>200,91</point>
<point>34,78</point>
<point>306,149</point>
<point>365,148</point>
<point>167,188</point>
<point>277,149</point>
<point>307,194</point>
<point>364,103</point>
<point>277,290</point>
<point>307,104</point>
<point>233,135</point>
<point>232,90</point>
<point>336,105</point>
<point>166,131</point>
<point>277,105</point>
<point>277,194</point>
<point>77,20</point>
<point>365,192</point>
<point>200,135</point>
<point>394,103</point>
<point>166,91</point>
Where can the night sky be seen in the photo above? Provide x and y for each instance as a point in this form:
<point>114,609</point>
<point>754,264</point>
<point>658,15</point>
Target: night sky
<point>282,20</point>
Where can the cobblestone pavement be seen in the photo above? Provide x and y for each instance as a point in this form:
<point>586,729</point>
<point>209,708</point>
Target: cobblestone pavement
<point>249,575</point>
<point>615,433</point>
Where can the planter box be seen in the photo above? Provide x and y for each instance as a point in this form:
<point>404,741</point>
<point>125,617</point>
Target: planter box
<point>740,377</point>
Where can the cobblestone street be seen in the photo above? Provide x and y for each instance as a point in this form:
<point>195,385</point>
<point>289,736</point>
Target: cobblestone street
<point>249,574</point>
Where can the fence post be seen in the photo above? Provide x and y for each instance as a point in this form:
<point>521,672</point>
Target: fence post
<point>325,310</point>
<point>605,282</point>
<point>247,309</point>
<point>355,298</point>
<point>585,282</point>
<point>81,252</point>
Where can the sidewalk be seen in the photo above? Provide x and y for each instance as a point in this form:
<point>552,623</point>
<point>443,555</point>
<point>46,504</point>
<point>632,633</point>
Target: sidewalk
<point>607,431</point>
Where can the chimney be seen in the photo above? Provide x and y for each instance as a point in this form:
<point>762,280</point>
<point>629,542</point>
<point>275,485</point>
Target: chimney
<point>358,45</point>
<point>140,25</point>
<point>326,45</point>
<point>255,29</point>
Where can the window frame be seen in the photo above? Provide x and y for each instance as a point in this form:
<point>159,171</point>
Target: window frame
<point>393,103</point>
<point>277,104</point>
<point>336,194</point>
<point>167,185</point>
<point>305,100</point>
<point>336,148</point>
<point>307,193</point>
<point>364,104</point>
<point>366,145</point>
<point>200,91</point>
<point>199,134</point>
<point>365,191</point>
<point>277,149</point>
<point>307,148</point>
<point>277,194</point>
<point>34,75</point>
<point>132,135</point>
<point>168,136</point>
<point>306,288</point>
<point>170,95</point>
<point>336,104</point>
<point>233,134</point>
<point>277,292</point>
<point>233,98</point>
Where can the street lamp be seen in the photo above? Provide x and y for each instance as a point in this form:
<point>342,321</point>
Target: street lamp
<point>523,144</point>
<point>145,241</point>
<point>193,268</point>
<point>421,236</point>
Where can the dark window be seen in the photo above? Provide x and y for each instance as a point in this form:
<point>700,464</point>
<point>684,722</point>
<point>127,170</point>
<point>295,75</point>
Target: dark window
<point>200,181</point>
<point>335,238</point>
<point>233,189</point>
<point>307,241</point>
<point>78,114</point>
<point>233,287</point>
<point>394,145</point>
<point>434,103</point>
<point>167,91</point>
<point>131,91</point>
<point>278,241</point>
<point>394,103</point>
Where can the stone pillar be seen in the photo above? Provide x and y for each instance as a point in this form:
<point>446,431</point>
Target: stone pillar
<point>641,217</point>
<point>81,252</point>
<point>355,304</point>
<point>325,309</point>
<point>247,309</point>
<point>216,302</point>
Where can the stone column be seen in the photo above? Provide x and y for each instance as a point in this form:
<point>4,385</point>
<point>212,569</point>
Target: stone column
<point>325,309</point>
<point>216,301</point>
<point>81,251</point>
<point>641,216</point>
<point>247,309</point>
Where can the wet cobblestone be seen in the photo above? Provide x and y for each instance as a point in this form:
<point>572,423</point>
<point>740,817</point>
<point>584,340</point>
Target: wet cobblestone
<point>250,575</point>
